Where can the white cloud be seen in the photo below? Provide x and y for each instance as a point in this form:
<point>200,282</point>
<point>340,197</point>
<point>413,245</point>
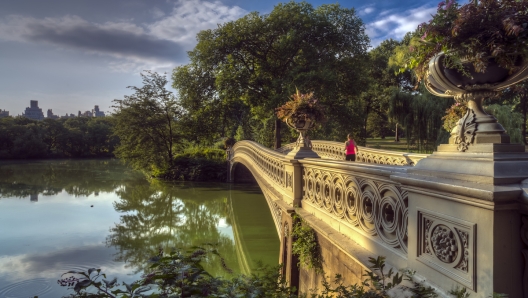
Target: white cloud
<point>396,25</point>
<point>190,17</point>
<point>159,45</point>
<point>367,10</point>
<point>157,13</point>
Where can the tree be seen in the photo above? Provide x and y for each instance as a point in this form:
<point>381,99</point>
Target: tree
<point>381,83</point>
<point>259,60</point>
<point>420,114</point>
<point>146,124</point>
<point>517,96</point>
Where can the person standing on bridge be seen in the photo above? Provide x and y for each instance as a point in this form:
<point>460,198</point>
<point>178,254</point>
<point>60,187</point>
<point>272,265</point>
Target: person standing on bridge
<point>351,148</point>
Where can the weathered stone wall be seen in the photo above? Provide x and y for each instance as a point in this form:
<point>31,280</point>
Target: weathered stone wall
<point>335,262</point>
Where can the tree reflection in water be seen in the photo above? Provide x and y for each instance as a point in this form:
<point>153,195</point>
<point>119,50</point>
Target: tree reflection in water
<point>155,214</point>
<point>165,215</point>
<point>75,177</point>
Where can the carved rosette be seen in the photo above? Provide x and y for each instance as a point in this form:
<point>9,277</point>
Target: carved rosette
<point>376,209</point>
<point>472,92</point>
<point>447,244</point>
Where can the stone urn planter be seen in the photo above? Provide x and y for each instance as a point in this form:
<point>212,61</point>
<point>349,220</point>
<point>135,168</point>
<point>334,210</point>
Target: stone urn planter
<point>302,126</point>
<point>476,127</point>
<point>303,148</point>
<point>302,113</point>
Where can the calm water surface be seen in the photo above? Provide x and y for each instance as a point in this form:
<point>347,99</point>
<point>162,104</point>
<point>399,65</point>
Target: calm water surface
<point>57,216</point>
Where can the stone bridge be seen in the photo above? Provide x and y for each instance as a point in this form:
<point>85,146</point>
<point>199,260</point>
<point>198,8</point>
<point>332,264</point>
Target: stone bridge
<point>459,219</point>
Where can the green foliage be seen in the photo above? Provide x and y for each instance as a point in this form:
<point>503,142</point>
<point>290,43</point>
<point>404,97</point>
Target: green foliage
<point>378,283</point>
<point>511,121</point>
<point>459,292</point>
<point>517,96</point>
<point>244,69</point>
<point>305,245</point>
<point>180,274</point>
<point>453,114</point>
<point>473,33</point>
<point>242,134</point>
<point>147,125</point>
<point>263,130</point>
<point>420,114</point>
<point>302,107</point>
<point>22,138</point>
<point>375,101</point>
<point>204,165</point>
<point>378,278</point>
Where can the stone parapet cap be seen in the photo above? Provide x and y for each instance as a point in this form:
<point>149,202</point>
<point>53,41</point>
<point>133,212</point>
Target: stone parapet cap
<point>484,148</point>
<point>483,195</point>
<point>487,168</point>
<point>355,167</point>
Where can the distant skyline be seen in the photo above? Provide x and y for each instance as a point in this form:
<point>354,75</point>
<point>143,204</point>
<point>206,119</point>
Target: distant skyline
<point>73,55</point>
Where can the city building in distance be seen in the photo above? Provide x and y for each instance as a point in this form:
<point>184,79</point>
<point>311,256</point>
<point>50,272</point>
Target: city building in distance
<point>68,116</point>
<point>97,113</point>
<point>51,115</point>
<point>34,112</point>
<point>4,114</point>
<point>85,114</point>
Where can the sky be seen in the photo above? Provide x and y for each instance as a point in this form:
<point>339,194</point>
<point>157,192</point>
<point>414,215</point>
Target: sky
<point>72,55</point>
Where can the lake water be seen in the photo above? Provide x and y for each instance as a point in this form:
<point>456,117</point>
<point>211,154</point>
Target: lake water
<point>63,215</point>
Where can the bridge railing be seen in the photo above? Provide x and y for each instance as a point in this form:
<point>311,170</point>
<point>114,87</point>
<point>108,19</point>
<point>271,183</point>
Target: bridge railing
<point>336,150</point>
<point>267,161</point>
<point>360,201</point>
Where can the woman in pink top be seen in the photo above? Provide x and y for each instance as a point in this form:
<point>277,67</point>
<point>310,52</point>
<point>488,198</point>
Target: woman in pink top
<point>351,149</point>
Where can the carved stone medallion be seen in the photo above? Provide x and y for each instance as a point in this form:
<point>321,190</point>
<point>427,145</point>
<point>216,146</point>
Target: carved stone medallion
<point>447,245</point>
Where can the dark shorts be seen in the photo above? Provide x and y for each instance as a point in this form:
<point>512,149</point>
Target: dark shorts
<point>351,157</point>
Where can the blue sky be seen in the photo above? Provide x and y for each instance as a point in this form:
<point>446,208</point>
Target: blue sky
<point>71,55</point>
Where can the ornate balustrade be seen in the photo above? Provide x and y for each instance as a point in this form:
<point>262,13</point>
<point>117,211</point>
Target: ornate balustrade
<point>269,162</point>
<point>335,150</point>
<point>360,198</point>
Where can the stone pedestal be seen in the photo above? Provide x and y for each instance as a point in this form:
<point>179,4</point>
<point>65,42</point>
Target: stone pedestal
<point>465,219</point>
<point>302,152</point>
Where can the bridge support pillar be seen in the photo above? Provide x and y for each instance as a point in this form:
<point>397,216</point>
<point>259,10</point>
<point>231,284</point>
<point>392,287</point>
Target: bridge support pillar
<point>294,181</point>
<point>464,222</point>
<point>289,262</point>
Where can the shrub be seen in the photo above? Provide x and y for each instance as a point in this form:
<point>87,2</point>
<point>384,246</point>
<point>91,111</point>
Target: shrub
<point>197,164</point>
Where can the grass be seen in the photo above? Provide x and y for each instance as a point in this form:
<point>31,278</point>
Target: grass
<point>389,144</point>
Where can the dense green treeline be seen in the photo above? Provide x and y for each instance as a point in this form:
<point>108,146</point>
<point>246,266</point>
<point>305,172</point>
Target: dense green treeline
<point>22,138</point>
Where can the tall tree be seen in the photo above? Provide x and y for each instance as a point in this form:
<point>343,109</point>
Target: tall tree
<point>517,96</point>
<point>259,60</point>
<point>420,114</point>
<point>382,81</point>
<point>146,124</point>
